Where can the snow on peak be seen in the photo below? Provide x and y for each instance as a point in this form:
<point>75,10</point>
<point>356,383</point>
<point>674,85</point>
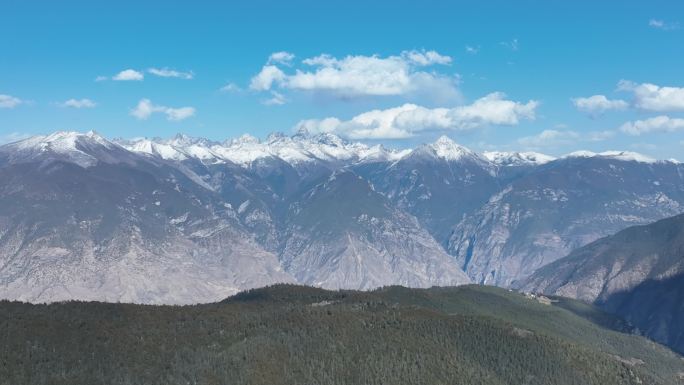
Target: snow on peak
<point>502,158</point>
<point>297,149</point>
<point>301,148</point>
<point>447,149</point>
<point>243,139</point>
<point>627,156</point>
<point>580,154</point>
<point>70,145</point>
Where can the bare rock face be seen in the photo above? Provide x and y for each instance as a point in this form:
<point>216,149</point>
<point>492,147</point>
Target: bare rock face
<point>186,220</point>
<point>557,207</point>
<point>343,234</point>
<point>83,218</point>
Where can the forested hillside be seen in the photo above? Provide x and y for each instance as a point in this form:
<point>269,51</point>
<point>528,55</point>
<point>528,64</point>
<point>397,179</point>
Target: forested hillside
<point>300,335</point>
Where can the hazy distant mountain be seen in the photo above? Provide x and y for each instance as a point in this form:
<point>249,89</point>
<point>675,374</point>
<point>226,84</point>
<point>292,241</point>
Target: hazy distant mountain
<point>637,273</point>
<point>189,219</point>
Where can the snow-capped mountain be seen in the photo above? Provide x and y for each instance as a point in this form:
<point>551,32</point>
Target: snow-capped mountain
<point>185,219</point>
<point>439,183</point>
<point>84,150</point>
<point>502,158</point>
<point>618,155</point>
<point>296,150</point>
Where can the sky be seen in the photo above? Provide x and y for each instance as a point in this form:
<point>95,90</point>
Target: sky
<point>547,76</point>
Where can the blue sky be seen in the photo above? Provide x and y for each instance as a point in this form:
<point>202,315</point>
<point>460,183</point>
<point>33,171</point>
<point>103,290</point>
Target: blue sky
<point>550,76</point>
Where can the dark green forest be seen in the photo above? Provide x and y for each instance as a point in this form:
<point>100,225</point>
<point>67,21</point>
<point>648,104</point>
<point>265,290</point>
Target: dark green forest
<point>288,334</point>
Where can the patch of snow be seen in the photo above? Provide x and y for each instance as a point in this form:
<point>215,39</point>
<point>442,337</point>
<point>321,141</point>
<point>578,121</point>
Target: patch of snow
<point>502,158</point>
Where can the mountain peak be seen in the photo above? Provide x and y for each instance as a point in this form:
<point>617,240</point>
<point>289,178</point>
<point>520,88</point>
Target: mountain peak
<point>84,149</point>
<point>62,141</point>
<point>448,149</point>
<point>244,139</point>
<point>502,158</point>
<point>627,156</point>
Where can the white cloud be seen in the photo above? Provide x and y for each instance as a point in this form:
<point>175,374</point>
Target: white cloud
<point>145,109</point>
<point>406,120</point>
<point>599,136</point>
<point>169,73</point>
<point>78,103</point>
<point>176,114</point>
<point>264,80</point>
<point>426,58</point>
<point>550,138</point>
<point>276,99</point>
<point>558,137</point>
<point>354,76</point>
<point>231,87</point>
<point>660,123</point>
<point>281,57</point>
<point>9,101</point>
<point>651,97</point>
<point>129,74</point>
<point>662,24</point>
<point>472,50</point>
<point>598,104</point>
<point>101,78</point>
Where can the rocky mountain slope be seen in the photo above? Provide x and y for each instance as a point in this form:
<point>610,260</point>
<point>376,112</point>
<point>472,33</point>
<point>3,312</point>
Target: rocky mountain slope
<point>637,273</point>
<point>84,217</point>
<point>544,214</point>
<point>345,234</point>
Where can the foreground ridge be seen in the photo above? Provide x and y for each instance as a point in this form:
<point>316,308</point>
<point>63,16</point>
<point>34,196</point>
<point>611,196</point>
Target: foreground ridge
<point>289,334</point>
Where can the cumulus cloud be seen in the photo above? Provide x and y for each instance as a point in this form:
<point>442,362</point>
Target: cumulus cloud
<point>170,73</point>
<point>426,58</point>
<point>559,137</point>
<point>662,24</point>
<point>281,57</point>
<point>9,101</point>
<point>651,97</point>
<point>660,123</point>
<point>354,76</point>
<point>78,103</point>
<point>268,75</point>
<point>128,75</point>
<point>404,121</point>
<point>146,108</point>
<point>598,104</point>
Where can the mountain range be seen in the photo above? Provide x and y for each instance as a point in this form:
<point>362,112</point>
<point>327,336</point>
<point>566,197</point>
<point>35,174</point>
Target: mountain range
<point>187,220</point>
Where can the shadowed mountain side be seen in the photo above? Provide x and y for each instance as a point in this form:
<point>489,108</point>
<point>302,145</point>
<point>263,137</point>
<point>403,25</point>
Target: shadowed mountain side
<point>656,307</point>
